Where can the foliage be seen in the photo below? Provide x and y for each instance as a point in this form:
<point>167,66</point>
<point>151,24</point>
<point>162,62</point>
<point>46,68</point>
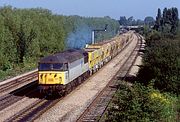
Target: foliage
<point>148,100</point>
<point>149,21</point>
<point>129,21</point>
<point>151,36</point>
<point>132,22</point>
<point>167,23</point>
<point>29,34</point>
<point>158,22</point>
<point>161,62</point>
<point>140,103</point>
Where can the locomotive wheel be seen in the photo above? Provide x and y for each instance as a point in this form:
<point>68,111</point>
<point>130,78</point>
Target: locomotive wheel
<point>79,80</point>
<point>73,84</point>
<point>85,76</point>
<point>67,89</point>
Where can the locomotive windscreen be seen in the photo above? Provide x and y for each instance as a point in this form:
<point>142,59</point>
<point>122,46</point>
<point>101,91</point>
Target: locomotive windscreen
<point>53,67</point>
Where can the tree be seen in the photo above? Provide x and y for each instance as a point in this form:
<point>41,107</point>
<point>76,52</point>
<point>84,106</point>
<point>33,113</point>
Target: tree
<point>158,20</point>
<point>130,20</point>
<point>149,21</point>
<point>123,20</point>
<point>168,22</point>
<point>175,20</point>
<point>139,22</point>
<point>23,42</point>
<point>28,34</point>
<point>161,61</point>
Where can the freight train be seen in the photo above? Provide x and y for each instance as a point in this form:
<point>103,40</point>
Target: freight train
<point>61,72</point>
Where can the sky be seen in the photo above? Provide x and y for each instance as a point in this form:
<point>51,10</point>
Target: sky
<point>139,9</point>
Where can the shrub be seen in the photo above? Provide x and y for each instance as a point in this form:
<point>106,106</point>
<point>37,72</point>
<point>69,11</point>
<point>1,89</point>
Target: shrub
<point>161,62</point>
<point>141,103</point>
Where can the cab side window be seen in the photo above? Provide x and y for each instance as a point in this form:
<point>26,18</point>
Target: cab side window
<point>65,66</point>
<point>85,59</point>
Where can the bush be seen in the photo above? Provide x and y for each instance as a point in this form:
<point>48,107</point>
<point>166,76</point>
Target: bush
<point>161,62</point>
<point>141,103</point>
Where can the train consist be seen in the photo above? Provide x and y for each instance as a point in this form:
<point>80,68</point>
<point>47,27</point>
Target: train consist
<point>61,72</point>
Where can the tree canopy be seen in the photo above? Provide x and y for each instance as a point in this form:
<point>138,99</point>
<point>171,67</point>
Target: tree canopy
<point>29,34</point>
<point>167,22</point>
<point>132,22</point>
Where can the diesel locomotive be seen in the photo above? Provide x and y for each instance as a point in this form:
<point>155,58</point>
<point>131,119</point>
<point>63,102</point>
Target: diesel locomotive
<point>61,72</point>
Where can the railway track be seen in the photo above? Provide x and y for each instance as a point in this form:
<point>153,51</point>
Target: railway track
<point>36,109</point>
<point>97,108</point>
<point>33,111</point>
<point>17,95</point>
<point>18,81</point>
<point>25,113</point>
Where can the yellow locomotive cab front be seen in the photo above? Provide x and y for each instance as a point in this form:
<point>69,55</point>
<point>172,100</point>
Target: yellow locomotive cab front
<point>51,77</point>
<point>52,73</point>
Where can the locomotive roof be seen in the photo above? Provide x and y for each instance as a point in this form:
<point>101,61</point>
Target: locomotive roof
<point>67,56</point>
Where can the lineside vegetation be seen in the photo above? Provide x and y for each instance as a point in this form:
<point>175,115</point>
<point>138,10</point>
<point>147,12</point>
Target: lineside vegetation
<point>28,34</point>
<point>155,94</point>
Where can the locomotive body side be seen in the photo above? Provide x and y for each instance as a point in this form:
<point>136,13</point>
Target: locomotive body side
<point>77,68</point>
